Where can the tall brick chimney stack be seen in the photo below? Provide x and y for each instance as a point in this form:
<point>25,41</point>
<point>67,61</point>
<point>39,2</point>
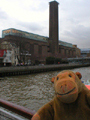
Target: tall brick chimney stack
<point>53,26</point>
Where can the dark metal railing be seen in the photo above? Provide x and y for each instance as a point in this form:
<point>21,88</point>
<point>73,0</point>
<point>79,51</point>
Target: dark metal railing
<point>20,110</point>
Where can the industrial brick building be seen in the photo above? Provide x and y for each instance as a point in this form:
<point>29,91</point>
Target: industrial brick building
<point>36,47</point>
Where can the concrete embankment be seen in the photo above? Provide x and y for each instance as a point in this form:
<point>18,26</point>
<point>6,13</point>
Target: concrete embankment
<point>19,70</point>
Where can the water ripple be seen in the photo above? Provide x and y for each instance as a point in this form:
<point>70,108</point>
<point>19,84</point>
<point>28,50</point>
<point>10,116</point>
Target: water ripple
<point>33,91</point>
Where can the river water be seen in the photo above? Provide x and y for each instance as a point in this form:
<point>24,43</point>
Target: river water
<point>33,91</point>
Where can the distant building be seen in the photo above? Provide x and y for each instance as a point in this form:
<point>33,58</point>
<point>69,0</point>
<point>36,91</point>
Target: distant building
<point>85,52</point>
<point>35,47</point>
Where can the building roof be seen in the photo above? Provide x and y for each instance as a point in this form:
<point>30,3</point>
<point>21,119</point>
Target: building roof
<point>65,44</point>
<point>16,32</point>
<point>12,31</point>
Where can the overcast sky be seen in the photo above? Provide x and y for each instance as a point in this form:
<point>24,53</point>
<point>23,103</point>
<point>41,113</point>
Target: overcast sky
<point>33,16</point>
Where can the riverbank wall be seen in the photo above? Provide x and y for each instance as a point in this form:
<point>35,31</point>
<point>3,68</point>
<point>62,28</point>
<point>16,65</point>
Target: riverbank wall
<point>21,70</point>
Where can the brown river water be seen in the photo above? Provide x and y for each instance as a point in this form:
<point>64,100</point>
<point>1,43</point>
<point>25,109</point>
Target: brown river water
<point>34,90</point>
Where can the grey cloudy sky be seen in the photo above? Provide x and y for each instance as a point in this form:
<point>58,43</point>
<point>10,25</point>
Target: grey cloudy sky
<point>33,16</point>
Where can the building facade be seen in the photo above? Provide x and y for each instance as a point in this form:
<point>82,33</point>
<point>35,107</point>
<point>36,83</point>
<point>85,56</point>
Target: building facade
<point>33,47</point>
<point>78,51</point>
<point>9,54</point>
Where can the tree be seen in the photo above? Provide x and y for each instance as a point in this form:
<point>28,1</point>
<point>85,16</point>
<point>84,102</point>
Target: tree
<point>50,60</point>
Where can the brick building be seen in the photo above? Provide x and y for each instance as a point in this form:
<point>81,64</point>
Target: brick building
<point>37,47</point>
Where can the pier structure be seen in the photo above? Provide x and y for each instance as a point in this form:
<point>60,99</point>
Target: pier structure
<point>21,70</point>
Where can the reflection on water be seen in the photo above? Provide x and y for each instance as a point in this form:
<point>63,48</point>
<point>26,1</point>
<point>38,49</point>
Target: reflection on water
<point>33,91</point>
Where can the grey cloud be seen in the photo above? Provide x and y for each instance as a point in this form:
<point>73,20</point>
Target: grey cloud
<point>77,9</point>
<point>32,27</point>
<point>40,7</point>
<point>75,22</point>
<point>3,15</point>
<point>79,35</point>
<point>82,31</point>
<point>79,31</point>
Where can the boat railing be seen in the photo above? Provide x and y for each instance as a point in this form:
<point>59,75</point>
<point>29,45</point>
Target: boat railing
<point>17,109</point>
